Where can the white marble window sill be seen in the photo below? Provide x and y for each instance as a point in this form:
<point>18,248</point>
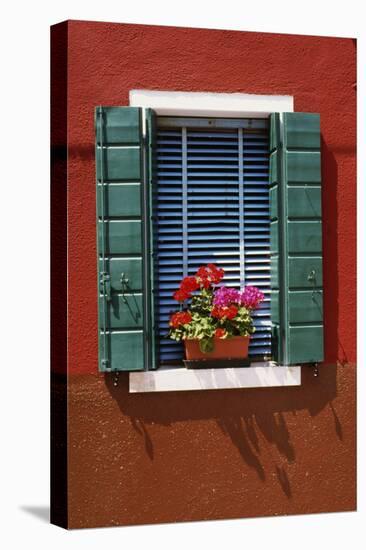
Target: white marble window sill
<point>258,375</point>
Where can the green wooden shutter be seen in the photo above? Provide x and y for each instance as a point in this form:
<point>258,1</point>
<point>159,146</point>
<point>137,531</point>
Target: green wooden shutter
<point>296,238</point>
<point>123,228</point>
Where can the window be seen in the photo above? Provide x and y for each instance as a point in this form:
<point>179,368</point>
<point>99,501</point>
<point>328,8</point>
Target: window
<point>163,183</point>
<point>212,206</point>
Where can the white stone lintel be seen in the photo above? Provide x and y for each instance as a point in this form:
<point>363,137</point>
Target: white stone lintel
<point>211,104</point>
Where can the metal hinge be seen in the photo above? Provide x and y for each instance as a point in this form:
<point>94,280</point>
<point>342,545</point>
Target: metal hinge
<point>105,364</point>
<point>105,282</point>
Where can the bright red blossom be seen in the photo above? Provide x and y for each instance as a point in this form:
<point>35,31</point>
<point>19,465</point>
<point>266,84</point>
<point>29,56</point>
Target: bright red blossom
<point>220,332</point>
<point>216,273</point>
<point>189,284</point>
<point>202,276</point>
<point>205,282</point>
<point>216,312</point>
<point>231,312</point>
<point>224,312</point>
<point>210,274</point>
<point>180,318</point>
<point>180,295</point>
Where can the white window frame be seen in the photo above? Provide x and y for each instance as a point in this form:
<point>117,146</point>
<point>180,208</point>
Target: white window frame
<point>207,104</point>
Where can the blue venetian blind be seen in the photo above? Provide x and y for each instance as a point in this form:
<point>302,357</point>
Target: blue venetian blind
<point>212,205</point>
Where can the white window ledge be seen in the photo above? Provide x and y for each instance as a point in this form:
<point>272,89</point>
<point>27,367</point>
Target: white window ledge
<point>258,375</point>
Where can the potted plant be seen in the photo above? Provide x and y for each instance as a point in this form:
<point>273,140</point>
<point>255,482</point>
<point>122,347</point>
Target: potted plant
<point>217,323</point>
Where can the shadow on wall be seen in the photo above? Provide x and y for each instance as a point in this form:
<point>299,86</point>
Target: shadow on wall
<point>333,348</point>
<point>243,415</point>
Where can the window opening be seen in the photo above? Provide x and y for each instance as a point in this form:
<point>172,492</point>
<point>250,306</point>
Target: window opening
<point>211,204</point>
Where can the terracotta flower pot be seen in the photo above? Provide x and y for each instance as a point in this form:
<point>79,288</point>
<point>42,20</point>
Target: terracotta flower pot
<point>235,347</point>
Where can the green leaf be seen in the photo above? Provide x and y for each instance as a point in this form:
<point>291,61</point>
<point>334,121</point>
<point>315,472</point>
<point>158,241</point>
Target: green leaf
<point>206,345</point>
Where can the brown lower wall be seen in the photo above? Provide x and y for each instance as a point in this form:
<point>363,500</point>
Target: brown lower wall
<point>154,458</point>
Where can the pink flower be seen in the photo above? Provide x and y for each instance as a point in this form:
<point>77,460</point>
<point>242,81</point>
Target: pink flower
<point>251,297</point>
<point>225,296</point>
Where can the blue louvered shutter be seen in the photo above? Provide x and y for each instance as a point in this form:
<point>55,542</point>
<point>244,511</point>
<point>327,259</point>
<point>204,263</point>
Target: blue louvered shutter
<point>212,205</point>
<point>123,160</point>
<point>296,238</point>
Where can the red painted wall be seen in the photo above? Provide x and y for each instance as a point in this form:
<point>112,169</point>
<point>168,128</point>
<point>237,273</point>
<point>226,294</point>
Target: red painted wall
<point>108,60</point>
<point>105,61</point>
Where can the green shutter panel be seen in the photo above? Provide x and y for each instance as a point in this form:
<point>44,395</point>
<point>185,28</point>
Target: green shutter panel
<point>296,238</point>
<point>123,230</point>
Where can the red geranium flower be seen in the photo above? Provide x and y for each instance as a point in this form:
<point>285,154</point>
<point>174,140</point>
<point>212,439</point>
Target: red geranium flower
<point>180,318</point>
<point>220,332</point>
<point>231,312</point>
<point>206,283</point>
<point>224,312</point>
<point>216,312</point>
<point>216,273</point>
<point>180,295</point>
<point>189,284</point>
<point>202,276</point>
<point>210,274</point>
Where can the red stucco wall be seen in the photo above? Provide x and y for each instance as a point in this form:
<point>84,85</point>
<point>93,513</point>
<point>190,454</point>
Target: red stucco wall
<point>236,454</point>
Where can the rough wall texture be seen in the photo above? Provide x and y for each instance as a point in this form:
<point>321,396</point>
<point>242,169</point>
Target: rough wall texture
<point>183,456</point>
<point>238,453</point>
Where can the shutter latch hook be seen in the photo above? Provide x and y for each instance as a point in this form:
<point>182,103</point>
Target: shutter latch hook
<point>124,284</point>
<point>312,279</point>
